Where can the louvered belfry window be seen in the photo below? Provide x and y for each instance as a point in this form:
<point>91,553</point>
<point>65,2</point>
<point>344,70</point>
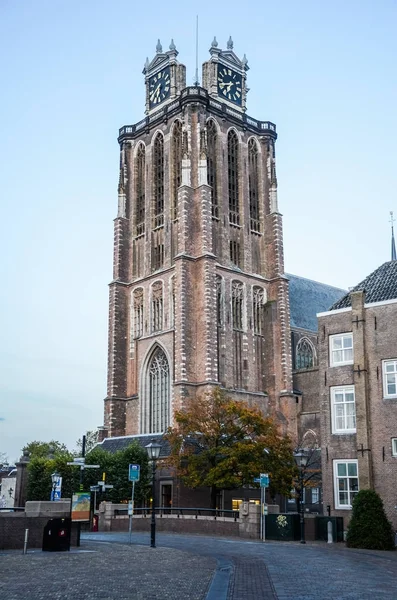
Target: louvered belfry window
<point>157,306</point>
<point>158,180</point>
<point>211,165</point>
<point>232,161</point>
<point>253,183</point>
<point>176,166</point>
<point>138,313</point>
<point>140,190</point>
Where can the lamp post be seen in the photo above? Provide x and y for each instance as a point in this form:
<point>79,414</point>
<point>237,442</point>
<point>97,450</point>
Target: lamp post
<point>54,478</point>
<point>153,450</point>
<point>301,461</point>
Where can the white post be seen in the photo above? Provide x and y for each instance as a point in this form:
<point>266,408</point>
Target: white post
<point>261,536</point>
<point>329,531</point>
<point>25,544</point>
<point>131,511</point>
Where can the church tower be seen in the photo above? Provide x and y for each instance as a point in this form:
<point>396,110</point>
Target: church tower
<point>199,297</point>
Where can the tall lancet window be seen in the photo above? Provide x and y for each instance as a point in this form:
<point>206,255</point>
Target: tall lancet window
<point>253,184</point>
<point>156,417</point>
<point>157,306</point>
<point>176,166</point>
<point>158,180</point>
<point>140,190</point>
<point>305,354</point>
<point>237,322</point>
<point>232,163</point>
<point>258,305</point>
<point>138,312</point>
<point>211,165</point>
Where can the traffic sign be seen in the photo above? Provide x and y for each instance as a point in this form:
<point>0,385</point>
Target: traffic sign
<point>264,480</point>
<point>257,480</point>
<point>134,472</point>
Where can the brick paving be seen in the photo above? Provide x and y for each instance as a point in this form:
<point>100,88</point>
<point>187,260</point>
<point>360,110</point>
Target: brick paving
<point>198,568</point>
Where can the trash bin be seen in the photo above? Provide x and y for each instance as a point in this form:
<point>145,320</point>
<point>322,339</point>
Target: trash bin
<point>56,535</point>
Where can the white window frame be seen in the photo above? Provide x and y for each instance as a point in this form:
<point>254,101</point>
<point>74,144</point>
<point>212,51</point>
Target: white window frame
<point>332,351</point>
<point>346,462</point>
<point>315,495</point>
<point>390,373</point>
<point>394,446</point>
<point>344,390</point>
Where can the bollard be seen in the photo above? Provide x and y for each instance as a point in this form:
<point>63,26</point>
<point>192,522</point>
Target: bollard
<point>25,544</point>
<point>329,531</point>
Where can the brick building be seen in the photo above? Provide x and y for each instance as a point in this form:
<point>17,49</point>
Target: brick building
<point>358,390</point>
<point>199,297</point>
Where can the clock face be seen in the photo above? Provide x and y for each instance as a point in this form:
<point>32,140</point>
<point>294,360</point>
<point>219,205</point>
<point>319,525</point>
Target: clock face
<point>159,87</point>
<point>229,85</point>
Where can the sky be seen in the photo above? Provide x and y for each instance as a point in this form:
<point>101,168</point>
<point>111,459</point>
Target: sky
<point>71,75</point>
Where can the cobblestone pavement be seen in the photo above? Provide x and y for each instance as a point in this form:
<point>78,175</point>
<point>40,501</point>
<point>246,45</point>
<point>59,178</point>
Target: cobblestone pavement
<point>287,570</point>
<point>198,568</point>
<point>105,572</point>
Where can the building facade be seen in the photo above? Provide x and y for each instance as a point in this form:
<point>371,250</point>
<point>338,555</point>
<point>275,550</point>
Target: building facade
<point>358,393</point>
<point>199,297</point>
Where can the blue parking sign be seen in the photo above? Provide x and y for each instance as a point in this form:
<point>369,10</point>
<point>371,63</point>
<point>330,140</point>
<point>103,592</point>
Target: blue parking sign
<point>134,472</point>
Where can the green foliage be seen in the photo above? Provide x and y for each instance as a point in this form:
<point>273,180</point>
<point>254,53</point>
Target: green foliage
<point>369,527</point>
<point>220,443</point>
<point>91,439</point>
<point>114,465</point>
<point>45,449</point>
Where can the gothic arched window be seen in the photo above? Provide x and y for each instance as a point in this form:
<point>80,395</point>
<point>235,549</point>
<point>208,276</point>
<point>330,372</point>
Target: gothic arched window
<point>305,354</point>
<point>237,305</point>
<point>158,180</point>
<point>157,306</point>
<point>140,190</point>
<point>158,408</point>
<point>138,312</point>
<point>176,166</point>
<point>212,137</point>
<point>253,184</point>
<point>258,304</point>
<point>219,301</point>
<point>232,169</point>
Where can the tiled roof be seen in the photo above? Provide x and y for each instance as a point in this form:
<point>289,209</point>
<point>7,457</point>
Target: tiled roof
<point>307,298</point>
<point>379,286</point>
<point>114,444</point>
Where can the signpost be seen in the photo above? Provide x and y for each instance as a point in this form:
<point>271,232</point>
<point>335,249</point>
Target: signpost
<point>264,483</point>
<point>134,474</point>
<point>56,492</point>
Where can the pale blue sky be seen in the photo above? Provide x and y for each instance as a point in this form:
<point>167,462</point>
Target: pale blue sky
<point>324,72</point>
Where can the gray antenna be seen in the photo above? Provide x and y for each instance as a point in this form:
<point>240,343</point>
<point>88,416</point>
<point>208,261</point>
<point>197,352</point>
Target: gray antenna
<point>393,244</point>
<point>197,77</point>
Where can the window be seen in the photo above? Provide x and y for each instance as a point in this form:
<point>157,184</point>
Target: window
<point>140,190</point>
<point>390,378</point>
<point>157,306</point>
<point>253,184</point>
<point>394,446</point>
<point>315,495</point>
<point>258,304</point>
<point>157,420</point>
<point>232,163</point>
<point>211,165</point>
<point>237,305</point>
<point>177,166</point>
<point>343,409</point>
<point>341,349</point>
<point>138,313</point>
<point>237,324</point>
<point>158,180</point>
<point>345,482</point>
<point>305,354</point>
<point>235,252</point>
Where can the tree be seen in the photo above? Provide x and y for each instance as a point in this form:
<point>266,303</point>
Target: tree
<point>369,526</point>
<point>220,443</point>
<point>91,439</point>
<point>38,449</point>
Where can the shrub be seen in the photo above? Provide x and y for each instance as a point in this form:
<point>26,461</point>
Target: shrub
<point>369,527</point>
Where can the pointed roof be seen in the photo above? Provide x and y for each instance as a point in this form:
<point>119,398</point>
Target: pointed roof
<point>379,286</point>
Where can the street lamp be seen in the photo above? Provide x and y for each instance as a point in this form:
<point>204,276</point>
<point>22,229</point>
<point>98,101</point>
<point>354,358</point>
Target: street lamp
<point>153,450</point>
<point>301,461</point>
<point>54,478</point>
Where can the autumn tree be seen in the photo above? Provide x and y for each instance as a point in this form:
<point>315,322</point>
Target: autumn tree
<point>222,443</point>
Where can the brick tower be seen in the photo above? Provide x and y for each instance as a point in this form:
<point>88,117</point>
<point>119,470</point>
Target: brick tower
<point>199,297</point>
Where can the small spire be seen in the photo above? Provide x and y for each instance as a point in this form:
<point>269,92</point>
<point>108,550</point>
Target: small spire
<point>393,244</point>
<point>147,63</point>
<point>172,45</point>
<point>230,43</point>
<point>159,47</point>
<point>214,43</point>
<point>245,60</point>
